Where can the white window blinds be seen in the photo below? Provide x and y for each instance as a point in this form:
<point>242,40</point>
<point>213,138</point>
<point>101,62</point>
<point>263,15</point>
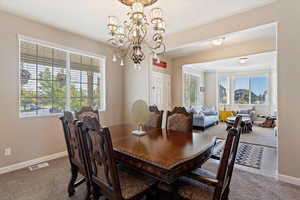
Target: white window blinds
<point>44,81</point>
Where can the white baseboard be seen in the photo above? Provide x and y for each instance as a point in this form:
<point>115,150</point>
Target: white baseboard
<point>25,164</point>
<point>289,179</point>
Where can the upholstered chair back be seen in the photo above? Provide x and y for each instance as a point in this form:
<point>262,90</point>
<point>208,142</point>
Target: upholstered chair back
<point>155,117</point>
<point>179,120</point>
<point>72,141</point>
<point>87,111</point>
<point>98,151</point>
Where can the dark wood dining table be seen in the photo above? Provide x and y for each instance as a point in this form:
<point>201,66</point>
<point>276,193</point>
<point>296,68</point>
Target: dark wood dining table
<point>162,154</point>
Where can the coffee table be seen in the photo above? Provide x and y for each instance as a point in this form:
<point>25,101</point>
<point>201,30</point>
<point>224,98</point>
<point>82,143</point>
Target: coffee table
<point>247,128</point>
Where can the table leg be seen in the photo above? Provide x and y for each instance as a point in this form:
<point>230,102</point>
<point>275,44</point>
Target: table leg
<point>170,189</point>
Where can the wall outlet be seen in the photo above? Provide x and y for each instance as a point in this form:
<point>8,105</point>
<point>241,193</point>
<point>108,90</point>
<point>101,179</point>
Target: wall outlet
<point>7,151</point>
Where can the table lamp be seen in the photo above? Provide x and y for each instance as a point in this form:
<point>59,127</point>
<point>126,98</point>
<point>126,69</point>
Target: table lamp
<point>140,114</point>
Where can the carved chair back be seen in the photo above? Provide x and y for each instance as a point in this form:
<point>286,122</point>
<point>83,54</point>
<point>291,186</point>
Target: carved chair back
<point>73,141</point>
<point>228,158</point>
<point>155,117</point>
<point>98,151</point>
<point>87,111</point>
<point>179,120</point>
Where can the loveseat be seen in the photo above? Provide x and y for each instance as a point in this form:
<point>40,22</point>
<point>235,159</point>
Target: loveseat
<point>203,116</point>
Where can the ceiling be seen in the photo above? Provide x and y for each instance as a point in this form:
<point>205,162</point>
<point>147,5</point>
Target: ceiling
<point>258,33</point>
<point>88,17</point>
<point>255,62</point>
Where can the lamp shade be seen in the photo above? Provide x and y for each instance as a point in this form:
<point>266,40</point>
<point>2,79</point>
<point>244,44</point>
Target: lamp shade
<point>156,15</point>
<point>137,10</point>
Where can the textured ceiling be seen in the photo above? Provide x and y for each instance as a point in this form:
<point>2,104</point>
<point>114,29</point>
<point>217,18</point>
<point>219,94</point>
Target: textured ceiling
<point>88,17</point>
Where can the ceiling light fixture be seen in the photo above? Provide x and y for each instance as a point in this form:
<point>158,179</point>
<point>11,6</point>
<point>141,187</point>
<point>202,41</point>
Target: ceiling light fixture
<point>129,36</point>
<point>243,60</point>
<point>218,42</point>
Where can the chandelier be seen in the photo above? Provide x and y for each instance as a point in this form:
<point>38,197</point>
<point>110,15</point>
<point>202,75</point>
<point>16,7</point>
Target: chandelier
<point>130,37</point>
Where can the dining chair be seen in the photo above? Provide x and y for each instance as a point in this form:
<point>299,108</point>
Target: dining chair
<point>155,117</point>
<point>75,154</point>
<point>106,177</point>
<point>179,120</point>
<point>87,111</point>
<point>201,184</point>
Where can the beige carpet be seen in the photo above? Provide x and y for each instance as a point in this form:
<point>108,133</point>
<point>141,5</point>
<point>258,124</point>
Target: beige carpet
<point>51,184</point>
<point>259,135</point>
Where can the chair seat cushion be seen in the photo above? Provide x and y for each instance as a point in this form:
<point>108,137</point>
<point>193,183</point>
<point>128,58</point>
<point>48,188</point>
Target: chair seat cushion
<point>133,183</point>
<point>194,190</point>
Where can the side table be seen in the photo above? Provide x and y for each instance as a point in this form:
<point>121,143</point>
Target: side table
<point>224,114</point>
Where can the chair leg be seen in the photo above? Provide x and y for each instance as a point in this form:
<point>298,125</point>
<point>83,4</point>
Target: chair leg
<point>95,193</point>
<point>71,188</point>
<point>226,194</point>
<point>88,195</point>
<point>217,193</point>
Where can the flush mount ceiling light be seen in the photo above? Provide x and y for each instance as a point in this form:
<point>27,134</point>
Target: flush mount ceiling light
<point>243,60</point>
<point>129,37</point>
<point>218,42</point>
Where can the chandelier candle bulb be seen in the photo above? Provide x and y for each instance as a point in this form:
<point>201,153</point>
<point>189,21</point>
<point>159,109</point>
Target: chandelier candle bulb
<point>122,62</point>
<point>112,23</point>
<point>114,58</point>
<point>160,27</point>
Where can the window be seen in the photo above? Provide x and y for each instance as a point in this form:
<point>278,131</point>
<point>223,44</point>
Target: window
<point>250,90</point>
<point>191,89</point>
<point>259,88</point>
<point>241,90</point>
<point>223,90</point>
<point>53,80</point>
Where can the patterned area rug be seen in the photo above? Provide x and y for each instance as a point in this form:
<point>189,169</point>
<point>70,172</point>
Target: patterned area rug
<point>249,155</point>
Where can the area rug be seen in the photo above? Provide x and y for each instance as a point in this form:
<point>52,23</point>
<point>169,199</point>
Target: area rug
<point>249,155</point>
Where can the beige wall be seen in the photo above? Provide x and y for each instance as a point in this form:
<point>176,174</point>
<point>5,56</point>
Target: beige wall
<point>137,83</point>
<point>246,48</point>
<point>210,89</point>
<point>31,138</point>
<point>288,83</point>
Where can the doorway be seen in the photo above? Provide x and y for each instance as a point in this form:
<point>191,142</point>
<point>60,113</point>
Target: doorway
<point>161,92</point>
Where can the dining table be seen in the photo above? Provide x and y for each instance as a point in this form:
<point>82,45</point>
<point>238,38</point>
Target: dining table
<point>162,154</point>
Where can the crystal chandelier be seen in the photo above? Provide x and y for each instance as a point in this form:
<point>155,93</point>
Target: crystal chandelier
<point>129,37</point>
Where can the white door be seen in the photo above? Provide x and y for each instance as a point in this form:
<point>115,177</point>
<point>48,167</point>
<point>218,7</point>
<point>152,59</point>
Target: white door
<point>161,91</point>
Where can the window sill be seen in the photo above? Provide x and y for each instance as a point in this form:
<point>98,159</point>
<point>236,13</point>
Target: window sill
<point>41,116</point>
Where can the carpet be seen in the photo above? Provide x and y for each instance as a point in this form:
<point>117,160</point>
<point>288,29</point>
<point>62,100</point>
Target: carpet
<point>249,155</point>
<point>50,183</point>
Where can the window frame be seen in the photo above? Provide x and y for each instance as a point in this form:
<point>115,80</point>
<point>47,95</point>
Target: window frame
<point>249,84</point>
<point>183,85</point>
<point>228,90</point>
<point>68,51</point>
<point>231,88</point>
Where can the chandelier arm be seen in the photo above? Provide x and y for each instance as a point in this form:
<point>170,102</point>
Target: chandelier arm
<point>130,38</point>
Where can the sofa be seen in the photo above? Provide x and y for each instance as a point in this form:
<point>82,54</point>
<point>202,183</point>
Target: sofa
<point>203,116</point>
